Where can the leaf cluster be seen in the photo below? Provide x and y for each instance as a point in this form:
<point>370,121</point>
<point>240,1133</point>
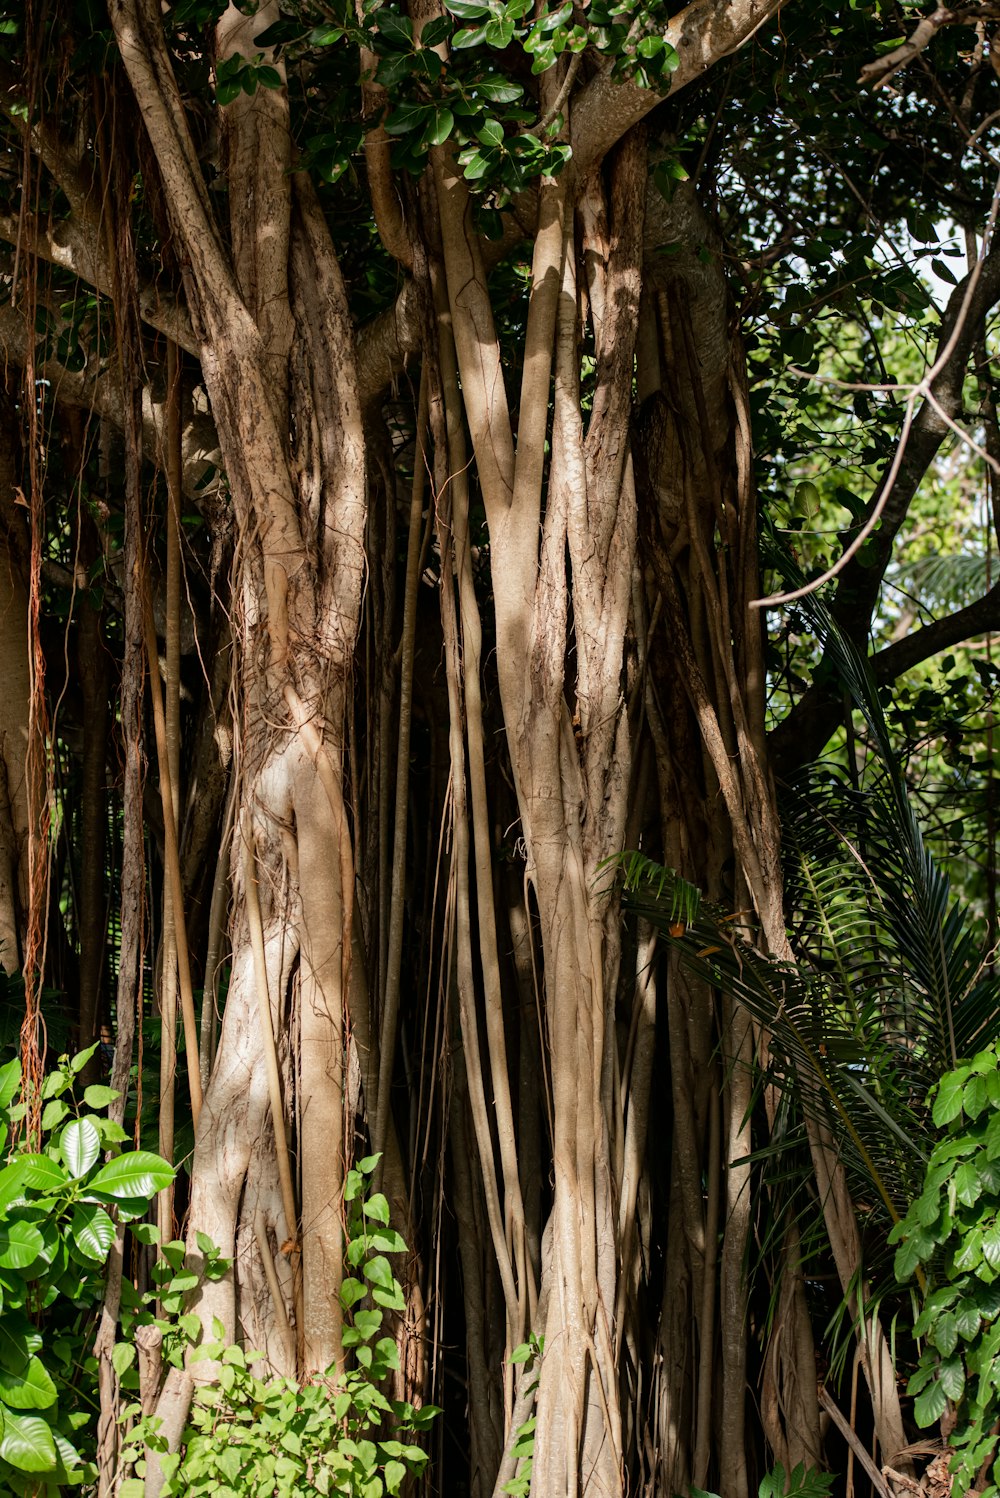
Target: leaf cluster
<point>952,1231</point>
<point>58,1201</point>
<point>339,1434</point>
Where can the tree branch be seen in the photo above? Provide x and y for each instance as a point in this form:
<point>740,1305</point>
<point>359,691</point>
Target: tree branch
<point>803,735</point>
<point>701,34</point>
<point>874,74</point>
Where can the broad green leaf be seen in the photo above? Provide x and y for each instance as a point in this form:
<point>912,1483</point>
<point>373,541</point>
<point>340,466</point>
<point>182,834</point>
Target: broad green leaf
<point>967,1319</point>
<point>42,1173</point>
<point>20,1244</point>
<point>377,1208</point>
<point>974,1097</point>
<point>968,1187</point>
<point>498,92</point>
<point>406,117</point>
<point>468,10</point>
<point>367,1322</point>
<point>81,1058</point>
<point>351,1291</point>
<point>945,1334</point>
<point>13,1183</point>
<point>469,36</point>
<point>93,1230</point>
<point>31,1389</point>
<point>439,128</point>
<point>948,1102</point>
<point>388,1241</point>
<point>10,1081</point>
<point>53,1114</point>
<point>499,34</point>
<point>80,1144</point>
<point>27,1443</point>
<point>436,31</point>
<point>137,1174</point>
<point>952,1377</point>
<point>378,1271</point>
<point>929,1406</point>
<point>99,1097</point>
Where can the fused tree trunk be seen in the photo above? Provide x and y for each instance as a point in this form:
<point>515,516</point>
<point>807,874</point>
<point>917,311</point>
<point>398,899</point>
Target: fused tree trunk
<point>274,339</point>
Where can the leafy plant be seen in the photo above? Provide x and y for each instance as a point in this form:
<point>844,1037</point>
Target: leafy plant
<point>57,1209</point>
<point>529,1353</point>
<point>270,1435</point>
<point>802,1483</point>
<point>952,1230</point>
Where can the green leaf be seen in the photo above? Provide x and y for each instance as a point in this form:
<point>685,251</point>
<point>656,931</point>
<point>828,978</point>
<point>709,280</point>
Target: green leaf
<point>952,1377</point>
<point>499,34</point>
<point>497,92</point>
<point>436,31</point>
<point>81,1058</point>
<point>53,1114</point>
<point>93,1230</point>
<point>476,166</point>
<point>10,1081</point>
<point>974,1097</point>
<point>948,1102</point>
<point>490,133</point>
<point>468,10</point>
<point>403,119</point>
<point>944,1335</point>
<point>99,1097</point>
<point>137,1174</point>
<point>378,1271</point>
<point>435,134</point>
<point>27,1443</point>
<point>351,1291</point>
<point>377,1208</point>
<point>398,30</point>
<point>80,1144</point>
<point>367,1323</point>
<point>388,1241</point>
<point>930,1405</point>
<point>968,1187</point>
<point>20,1244</point>
<point>393,1473</point>
<point>122,1357</point>
<point>31,1389</point>
<point>469,36</point>
<point>42,1173</point>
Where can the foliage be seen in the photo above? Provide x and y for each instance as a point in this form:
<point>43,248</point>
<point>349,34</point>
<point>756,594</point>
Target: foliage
<point>270,1435</point>
<point>802,1482</point>
<point>57,1203</point>
<point>952,1233</point>
<point>528,1354</point>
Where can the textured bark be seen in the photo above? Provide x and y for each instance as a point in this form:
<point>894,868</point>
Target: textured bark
<point>13,709</point>
<point>275,338</point>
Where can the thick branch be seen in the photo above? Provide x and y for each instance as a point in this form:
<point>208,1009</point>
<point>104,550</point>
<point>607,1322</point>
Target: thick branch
<point>804,733</point>
<point>701,34</point>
